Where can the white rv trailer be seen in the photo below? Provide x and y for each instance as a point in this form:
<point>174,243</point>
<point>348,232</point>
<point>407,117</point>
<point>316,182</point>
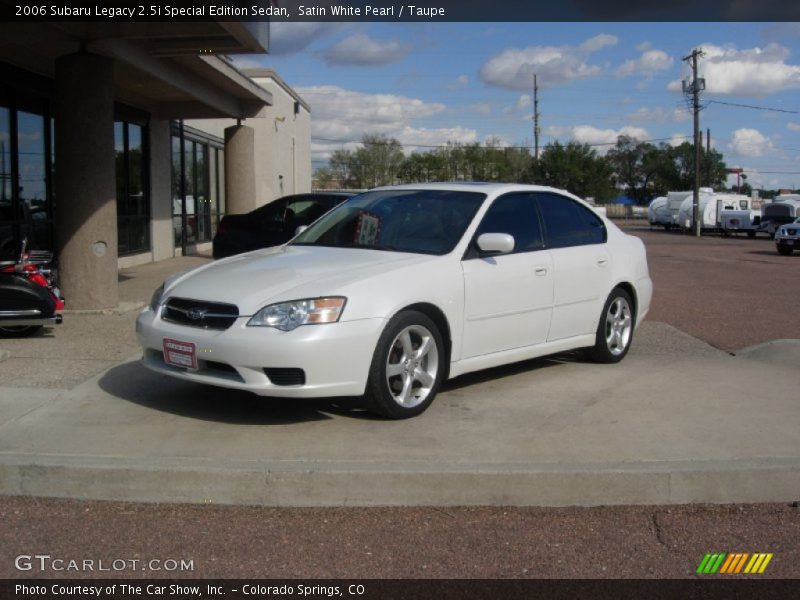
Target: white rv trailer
<point>740,221</point>
<point>655,209</point>
<point>784,209</point>
<point>707,210</point>
<point>663,210</point>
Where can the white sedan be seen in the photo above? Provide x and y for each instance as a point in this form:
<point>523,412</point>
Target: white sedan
<point>400,288</point>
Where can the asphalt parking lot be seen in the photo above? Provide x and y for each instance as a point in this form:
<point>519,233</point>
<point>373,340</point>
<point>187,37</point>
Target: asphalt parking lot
<point>681,421</point>
<point>731,292</point>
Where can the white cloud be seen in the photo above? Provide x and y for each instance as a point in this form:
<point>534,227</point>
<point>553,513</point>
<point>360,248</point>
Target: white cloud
<point>747,72</point>
<point>291,37</point>
<point>676,139</point>
<point>361,50</point>
<point>644,47</point>
<point>604,139</point>
<point>586,134</point>
<point>434,137</point>
<point>792,126</point>
<point>597,42</point>
<point>523,101</point>
<point>659,114</point>
<point>648,64</point>
<point>750,143</point>
<point>342,117</point>
<point>459,82</point>
<point>514,67</point>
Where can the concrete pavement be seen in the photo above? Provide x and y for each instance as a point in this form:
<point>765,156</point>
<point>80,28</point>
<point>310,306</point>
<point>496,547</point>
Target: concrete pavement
<point>676,422</point>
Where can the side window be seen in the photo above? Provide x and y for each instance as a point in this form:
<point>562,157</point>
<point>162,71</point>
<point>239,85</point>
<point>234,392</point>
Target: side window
<point>567,223</point>
<point>514,214</point>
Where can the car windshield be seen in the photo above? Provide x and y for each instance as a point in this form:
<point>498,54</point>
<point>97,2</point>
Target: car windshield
<point>418,221</point>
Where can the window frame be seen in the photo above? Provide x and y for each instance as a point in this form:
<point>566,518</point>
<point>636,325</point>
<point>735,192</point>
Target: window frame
<point>582,210</point>
<point>473,252</point>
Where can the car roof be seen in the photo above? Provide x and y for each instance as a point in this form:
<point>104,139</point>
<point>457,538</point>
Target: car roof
<point>325,194</point>
<point>472,186</point>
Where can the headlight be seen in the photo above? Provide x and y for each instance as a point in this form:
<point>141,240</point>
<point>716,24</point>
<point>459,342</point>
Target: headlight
<point>155,300</point>
<point>290,315</point>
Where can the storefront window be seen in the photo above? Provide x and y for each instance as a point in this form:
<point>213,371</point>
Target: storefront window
<point>25,181</point>
<point>6,205</point>
<point>202,173</point>
<point>133,202</point>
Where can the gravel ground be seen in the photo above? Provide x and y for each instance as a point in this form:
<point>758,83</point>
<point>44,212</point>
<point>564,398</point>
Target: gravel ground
<point>729,292</point>
<point>453,542</point>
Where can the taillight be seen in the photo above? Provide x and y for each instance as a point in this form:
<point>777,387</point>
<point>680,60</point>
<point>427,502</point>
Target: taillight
<point>38,279</point>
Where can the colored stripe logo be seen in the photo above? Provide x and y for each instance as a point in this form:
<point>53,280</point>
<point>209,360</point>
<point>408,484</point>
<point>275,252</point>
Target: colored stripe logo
<point>734,563</point>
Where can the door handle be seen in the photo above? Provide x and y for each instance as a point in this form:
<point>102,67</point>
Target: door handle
<point>541,271</point>
<point>602,261</point>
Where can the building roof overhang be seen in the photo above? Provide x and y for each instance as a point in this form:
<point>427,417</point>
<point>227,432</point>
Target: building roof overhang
<point>172,70</point>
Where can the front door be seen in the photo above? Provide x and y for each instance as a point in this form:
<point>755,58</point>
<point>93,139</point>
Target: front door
<point>508,298</point>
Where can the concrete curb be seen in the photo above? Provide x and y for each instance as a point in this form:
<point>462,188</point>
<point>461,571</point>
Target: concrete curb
<point>402,484</point>
<point>121,309</point>
<point>766,346</point>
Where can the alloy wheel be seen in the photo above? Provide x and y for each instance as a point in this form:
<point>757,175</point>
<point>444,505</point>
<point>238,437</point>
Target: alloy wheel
<point>412,366</point>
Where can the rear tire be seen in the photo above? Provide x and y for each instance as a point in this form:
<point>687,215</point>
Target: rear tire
<point>615,329</point>
<point>407,368</point>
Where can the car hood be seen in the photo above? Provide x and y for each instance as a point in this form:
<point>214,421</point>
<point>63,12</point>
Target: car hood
<point>255,279</point>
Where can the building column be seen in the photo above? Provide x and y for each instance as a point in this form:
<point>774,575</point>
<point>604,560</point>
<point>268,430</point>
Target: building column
<point>160,150</point>
<point>240,169</point>
<point>85,190</point>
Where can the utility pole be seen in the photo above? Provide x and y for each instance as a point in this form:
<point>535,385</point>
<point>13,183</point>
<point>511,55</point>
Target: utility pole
<point>694,88</point>
<point>535,118</point>
<point>708,157</point>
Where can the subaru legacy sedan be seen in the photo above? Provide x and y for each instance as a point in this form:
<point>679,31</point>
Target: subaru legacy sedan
<point>401,288</point>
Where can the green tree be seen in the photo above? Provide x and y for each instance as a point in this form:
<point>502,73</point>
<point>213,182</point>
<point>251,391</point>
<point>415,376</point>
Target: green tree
<point>378,161</point>
<point>635,165</point>
<point>577,168</point>
<point>712,167</point>
<point>341,166</point>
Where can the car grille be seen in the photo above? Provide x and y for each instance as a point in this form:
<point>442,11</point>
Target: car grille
<point>200,313</point>
<point>286,376</point>
<point>791,231</point>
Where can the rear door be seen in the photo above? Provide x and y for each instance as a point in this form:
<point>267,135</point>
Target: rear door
<point>576,237</point>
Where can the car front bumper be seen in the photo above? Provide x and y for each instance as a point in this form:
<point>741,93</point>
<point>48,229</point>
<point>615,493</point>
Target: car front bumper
<point>335,358</point>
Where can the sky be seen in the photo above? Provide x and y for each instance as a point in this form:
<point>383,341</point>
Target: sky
<point>427,84</point>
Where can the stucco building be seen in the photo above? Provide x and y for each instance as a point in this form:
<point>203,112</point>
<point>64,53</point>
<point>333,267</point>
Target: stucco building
<point>122,143</point>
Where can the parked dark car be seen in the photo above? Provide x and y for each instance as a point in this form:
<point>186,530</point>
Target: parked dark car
<point>274,223</point>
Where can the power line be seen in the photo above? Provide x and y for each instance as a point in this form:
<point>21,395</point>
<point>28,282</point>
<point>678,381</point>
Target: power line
<point>781,110</point>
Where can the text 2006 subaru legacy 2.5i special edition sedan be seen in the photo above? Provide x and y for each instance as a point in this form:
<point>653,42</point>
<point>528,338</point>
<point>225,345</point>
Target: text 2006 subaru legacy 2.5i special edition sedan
<point>400,288</point>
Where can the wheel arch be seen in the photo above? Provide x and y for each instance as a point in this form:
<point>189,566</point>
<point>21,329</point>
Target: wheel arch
<point>435,314</point>
<point>628,287</point>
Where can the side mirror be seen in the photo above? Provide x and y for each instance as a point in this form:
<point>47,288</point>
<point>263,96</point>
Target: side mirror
<point>300,229</point>
<point>496,243</point>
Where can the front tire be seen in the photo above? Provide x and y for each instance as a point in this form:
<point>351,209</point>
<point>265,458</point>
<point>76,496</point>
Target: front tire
<point>615,329</point>
<point>785,250</point>
<point>407,368</point>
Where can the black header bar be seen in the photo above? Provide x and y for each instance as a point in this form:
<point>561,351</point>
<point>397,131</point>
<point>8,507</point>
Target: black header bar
<point>427,11</point>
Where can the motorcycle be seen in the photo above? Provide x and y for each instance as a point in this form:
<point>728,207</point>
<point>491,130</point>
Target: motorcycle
<point>29,297</point>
